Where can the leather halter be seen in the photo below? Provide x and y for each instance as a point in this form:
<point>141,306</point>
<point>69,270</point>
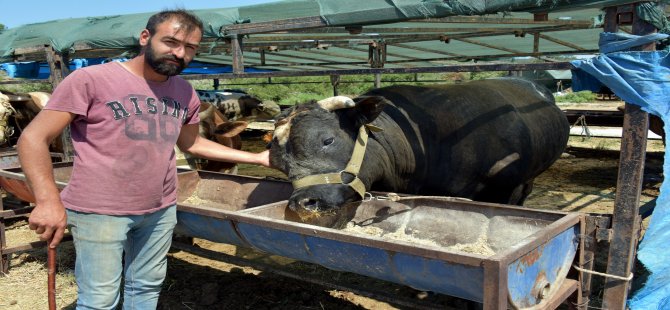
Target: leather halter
<point>353,167</point>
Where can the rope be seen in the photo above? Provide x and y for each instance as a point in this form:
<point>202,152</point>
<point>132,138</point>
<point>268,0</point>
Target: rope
<point>395,197</point>
<point>630,277</point>
<point>585,128</point>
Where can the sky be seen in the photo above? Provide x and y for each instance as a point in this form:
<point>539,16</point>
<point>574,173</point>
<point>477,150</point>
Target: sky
<point>20,12</point>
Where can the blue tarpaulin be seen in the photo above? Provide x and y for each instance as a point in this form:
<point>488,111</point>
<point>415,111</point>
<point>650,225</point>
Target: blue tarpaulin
<point>643,79</point>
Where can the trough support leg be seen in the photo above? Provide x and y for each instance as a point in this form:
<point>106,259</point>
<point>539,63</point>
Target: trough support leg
<point>495,285</point>
<point>625,220</point>
<point>4,258</point>
<point>588,247</point>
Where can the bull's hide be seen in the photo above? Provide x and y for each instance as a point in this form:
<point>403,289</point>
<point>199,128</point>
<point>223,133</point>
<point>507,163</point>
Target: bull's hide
<point>483,140</point>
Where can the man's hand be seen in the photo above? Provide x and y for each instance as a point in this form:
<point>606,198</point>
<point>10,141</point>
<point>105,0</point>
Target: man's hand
<point>49,221</point>
<point>264,158</point>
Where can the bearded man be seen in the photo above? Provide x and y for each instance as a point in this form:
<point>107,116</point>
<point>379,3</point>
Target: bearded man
<point>120,203</point>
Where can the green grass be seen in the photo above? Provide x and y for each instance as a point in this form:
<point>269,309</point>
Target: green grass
<point>578,97</point>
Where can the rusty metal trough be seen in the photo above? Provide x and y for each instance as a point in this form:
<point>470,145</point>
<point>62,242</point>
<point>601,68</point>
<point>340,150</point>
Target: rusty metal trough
<point>501,256</point>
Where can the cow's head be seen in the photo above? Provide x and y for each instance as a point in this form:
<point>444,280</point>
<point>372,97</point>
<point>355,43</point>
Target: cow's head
<point>314,143</point>
<point>214,126</point>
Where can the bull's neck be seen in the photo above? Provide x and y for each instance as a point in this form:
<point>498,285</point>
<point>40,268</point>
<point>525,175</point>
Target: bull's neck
<point>390,162</point>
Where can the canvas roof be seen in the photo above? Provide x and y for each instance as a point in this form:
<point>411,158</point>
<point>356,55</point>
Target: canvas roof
<point>304,35</point>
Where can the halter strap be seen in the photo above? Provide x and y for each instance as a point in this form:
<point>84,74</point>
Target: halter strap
<point>353,167</point>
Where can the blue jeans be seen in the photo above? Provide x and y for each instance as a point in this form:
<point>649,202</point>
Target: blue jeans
<point>100,243</point>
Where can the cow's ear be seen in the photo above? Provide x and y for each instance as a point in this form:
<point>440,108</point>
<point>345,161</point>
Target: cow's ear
<point>369,107</point>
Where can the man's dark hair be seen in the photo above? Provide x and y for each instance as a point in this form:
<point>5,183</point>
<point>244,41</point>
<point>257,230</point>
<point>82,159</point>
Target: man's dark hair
<point>189,20</point>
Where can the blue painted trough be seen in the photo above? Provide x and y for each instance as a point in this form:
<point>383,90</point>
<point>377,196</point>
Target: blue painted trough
<point>502,256</point>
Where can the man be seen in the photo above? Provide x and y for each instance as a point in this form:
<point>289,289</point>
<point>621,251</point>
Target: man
<point>120,203</point>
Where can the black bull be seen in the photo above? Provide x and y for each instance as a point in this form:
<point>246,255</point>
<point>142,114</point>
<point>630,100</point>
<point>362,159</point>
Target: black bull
<point>483,140</point>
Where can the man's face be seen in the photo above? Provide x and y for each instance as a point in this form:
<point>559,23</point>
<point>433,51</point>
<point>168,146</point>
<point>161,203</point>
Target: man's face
<point>171,48</point>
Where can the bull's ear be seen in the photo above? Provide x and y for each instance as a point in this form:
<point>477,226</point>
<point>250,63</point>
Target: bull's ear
<point>369,107</point>
<point>231,129</point>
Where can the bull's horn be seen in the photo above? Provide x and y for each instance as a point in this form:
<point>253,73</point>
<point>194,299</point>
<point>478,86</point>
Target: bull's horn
<point>337,102</point>
<point>207,112</point>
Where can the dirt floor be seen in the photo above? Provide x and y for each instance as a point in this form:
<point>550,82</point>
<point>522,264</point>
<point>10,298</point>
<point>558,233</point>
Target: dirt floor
<point>583,180</point>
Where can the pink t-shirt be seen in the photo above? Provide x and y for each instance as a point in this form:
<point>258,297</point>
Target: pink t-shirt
<point>124,136</point>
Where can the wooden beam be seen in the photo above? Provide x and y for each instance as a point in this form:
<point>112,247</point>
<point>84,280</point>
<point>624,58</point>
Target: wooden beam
<point>561,42</point>
<point>273,26</point>
<point>509,50</point>
<point>497,20</point>
<point>437,69</point>
<point>429,50</point>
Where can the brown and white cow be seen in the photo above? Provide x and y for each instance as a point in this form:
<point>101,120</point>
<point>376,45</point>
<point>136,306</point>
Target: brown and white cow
<point>239,106</point>
<point>216,127</point>
<point>17,110</point>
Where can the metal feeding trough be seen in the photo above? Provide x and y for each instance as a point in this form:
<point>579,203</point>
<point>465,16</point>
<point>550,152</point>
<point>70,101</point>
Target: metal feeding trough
<point>13,180</point>
<point>498,255</point>
<point>488,253</point>
<point>207,203</point>
<point>501,256</point>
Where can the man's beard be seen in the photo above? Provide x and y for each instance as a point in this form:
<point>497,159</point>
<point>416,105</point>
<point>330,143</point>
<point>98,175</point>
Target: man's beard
<point>161,64</point>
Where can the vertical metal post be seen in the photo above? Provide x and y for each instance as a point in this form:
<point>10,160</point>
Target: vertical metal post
<point>58,64</point>
<point>238,57</point>
<point>262,57</point>
<point>625,220</point>
<point>378,80</point>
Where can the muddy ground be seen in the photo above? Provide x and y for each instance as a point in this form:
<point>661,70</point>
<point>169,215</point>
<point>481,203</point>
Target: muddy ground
<point>583,180</point>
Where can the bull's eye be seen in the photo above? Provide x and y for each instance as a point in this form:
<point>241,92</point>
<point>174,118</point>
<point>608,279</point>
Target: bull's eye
<point>328,141</point>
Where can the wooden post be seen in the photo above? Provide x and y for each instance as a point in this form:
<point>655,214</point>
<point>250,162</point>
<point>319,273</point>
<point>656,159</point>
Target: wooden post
<point>335,80</point>
<point>377,54</point>
<point>238,57</point>
<point>58,64</point>
<point>626,221</point>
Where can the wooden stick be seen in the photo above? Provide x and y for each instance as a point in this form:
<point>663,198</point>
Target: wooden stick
<point>51,283</point>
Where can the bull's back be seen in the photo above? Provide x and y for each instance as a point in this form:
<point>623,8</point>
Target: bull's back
<point>466,129</point>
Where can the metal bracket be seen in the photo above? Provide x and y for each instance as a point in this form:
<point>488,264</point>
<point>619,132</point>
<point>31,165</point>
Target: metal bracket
<point>625,14</point>
<point>603,234</point>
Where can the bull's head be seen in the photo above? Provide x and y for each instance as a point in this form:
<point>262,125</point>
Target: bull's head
<point>323,149</point>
